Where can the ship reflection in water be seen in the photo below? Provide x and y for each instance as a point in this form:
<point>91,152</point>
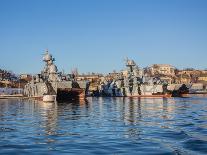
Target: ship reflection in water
<point>104,126</point>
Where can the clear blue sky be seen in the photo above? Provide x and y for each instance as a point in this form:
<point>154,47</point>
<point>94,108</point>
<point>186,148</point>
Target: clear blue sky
<point>96,35</point>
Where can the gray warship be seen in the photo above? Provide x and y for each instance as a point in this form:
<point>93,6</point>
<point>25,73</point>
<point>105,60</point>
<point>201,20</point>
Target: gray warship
<point>52,85</point>
<point>132,82</point>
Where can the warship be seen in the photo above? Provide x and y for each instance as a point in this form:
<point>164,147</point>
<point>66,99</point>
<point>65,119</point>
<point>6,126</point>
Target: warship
<point>134,83</point>
<point>51,85</point>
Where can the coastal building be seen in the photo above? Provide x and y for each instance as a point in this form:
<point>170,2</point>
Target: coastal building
<point>6,83</point>
<point>204,71</point>
<point>112,76</point>
<point>202,78</point>
<point>190,72</point>
<point>183,79</point>
<point>25,76</point>
<point>10,91</point>
<point>162,69</point>
<point>167,79</point>
<point>89,77</point>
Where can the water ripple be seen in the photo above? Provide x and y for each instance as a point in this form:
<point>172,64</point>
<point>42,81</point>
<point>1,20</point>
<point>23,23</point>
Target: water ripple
<point>105,126</point>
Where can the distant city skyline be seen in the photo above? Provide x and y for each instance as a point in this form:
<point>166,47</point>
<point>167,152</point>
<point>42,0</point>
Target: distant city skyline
<point>96,36</point>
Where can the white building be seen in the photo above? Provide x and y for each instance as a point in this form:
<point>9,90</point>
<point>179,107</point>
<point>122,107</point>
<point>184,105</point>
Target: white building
<point>163,69</point>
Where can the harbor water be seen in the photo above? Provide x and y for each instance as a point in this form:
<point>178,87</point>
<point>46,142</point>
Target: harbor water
<point>104,126</point>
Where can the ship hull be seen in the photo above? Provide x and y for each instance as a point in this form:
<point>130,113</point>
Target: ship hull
<point>64,95</point>
<point>151,96</point>
<point>70,94</point>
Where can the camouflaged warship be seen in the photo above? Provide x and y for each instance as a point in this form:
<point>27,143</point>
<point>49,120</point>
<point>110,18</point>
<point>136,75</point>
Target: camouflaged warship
<point>133,83</point>
<point>51,85</point>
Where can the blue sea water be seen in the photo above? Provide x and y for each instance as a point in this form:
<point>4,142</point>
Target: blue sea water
<point>104,126</point>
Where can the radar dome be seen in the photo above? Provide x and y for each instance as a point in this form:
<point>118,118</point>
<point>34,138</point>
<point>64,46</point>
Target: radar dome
<point>47,57</point>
